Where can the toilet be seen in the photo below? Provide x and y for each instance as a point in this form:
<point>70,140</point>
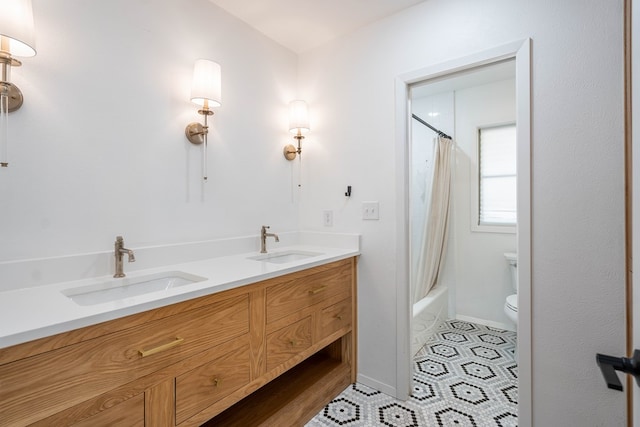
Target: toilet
<point>511,303</point>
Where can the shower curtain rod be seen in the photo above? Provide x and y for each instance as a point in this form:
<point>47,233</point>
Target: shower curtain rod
<point>439,132</point>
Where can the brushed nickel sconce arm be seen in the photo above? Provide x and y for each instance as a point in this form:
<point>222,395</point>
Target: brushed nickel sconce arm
<point>11,91</point>
<point>197,133</point>
<point>290,150</point>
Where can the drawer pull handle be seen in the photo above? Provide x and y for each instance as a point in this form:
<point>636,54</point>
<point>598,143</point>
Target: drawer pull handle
<point>339,316</point>
<point>177,341</point>
<point>217,382</point>
<point>317,290</point>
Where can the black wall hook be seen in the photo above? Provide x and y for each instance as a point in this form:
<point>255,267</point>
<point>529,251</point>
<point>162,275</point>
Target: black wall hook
<point>348,193</point>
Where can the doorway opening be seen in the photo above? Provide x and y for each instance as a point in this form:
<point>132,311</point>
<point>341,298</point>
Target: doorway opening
<point>449,97</point>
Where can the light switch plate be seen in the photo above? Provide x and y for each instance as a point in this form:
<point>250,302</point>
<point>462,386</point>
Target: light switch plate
<point>371,210</point>
<point>327,218</point>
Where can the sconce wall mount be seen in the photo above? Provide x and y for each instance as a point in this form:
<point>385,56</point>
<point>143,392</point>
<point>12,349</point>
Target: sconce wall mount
<point>7,89</point>
<point>290,151</point>
<point>195,131</point>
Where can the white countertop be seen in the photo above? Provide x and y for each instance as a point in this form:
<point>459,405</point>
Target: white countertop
<point>36,312</point>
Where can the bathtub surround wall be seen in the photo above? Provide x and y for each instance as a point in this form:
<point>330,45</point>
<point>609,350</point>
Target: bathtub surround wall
<point>577,179</point>
<point>98,148</point>
<point>438,111</point>
<point>442,108</point>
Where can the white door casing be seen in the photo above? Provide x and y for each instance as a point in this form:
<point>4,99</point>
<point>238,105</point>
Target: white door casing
<point>521,51</point>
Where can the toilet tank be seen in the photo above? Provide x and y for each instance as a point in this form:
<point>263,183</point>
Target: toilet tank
<point>512,259</point>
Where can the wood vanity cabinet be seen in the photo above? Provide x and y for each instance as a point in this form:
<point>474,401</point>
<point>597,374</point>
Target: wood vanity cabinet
<point>269,353</point>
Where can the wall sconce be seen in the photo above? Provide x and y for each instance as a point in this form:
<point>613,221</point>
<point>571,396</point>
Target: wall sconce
<point>16,38</point>
<point>299,125</point>
<point>206,91</point>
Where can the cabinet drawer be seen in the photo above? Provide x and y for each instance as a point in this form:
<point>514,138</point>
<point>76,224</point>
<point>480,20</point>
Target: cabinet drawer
<point>205,385</point>
<point>129,413</point>
<point>39,386</point>
<point>286,298</point>
<point>287,342</point>
<point>335,317</point>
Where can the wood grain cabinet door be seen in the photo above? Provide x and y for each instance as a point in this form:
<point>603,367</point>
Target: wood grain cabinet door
<point>285,343</point>
<point>129,413</point>
<point>289,297</point>
<point>205,385</point>
<point>335,317</point>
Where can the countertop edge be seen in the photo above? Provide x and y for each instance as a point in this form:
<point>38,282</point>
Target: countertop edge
<point>83,317</point>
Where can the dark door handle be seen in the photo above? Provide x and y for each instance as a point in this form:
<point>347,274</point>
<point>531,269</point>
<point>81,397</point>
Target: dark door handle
<point>610,364</point>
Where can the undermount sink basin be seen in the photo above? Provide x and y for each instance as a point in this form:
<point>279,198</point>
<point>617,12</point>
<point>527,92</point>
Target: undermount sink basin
<point>284,257</point>
<point>118,289</point>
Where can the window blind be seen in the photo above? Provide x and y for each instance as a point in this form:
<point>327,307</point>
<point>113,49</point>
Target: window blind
<point>498,176</point>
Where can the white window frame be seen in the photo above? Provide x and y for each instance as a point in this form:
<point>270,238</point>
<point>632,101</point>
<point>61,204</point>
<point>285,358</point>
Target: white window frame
<point>475,190</point>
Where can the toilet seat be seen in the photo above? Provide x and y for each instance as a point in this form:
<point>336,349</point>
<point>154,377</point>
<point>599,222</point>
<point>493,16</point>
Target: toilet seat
<point>512,302</point>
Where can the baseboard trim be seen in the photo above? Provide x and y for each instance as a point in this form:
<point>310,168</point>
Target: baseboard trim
<point>488,323</point>
<point>382,387</point>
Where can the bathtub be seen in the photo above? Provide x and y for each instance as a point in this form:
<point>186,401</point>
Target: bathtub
<point>428,315</point>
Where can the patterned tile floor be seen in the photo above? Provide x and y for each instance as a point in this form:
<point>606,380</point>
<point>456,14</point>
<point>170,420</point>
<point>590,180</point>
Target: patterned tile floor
<point>465,376</point>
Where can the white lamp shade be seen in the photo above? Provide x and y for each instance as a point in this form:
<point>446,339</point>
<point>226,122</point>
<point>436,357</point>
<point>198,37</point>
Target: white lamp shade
<point>298,117</point>
<point>207,83</point>
<point>16,27</point>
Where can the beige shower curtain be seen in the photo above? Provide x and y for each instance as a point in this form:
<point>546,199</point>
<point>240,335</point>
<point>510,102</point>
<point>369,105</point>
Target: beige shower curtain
<point>434,241</point>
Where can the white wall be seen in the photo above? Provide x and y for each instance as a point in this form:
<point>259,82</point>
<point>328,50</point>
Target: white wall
<point>482,278</point>
<point>577,178</point>
<point>98,148</point>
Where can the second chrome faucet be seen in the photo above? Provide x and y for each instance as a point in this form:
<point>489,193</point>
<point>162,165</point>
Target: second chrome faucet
<point>263,238</point>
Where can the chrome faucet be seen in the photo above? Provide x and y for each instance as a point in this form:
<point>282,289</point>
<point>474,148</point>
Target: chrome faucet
<point>263,238</point>
<point>119,251</point>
